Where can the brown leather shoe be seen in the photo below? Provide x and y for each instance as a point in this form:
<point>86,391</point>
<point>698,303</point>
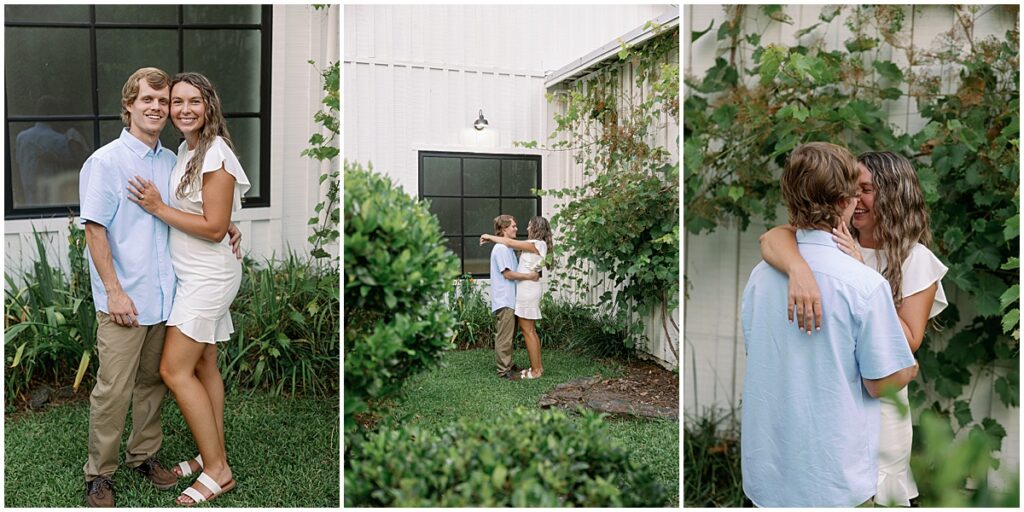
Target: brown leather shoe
<point>99,492</point>
<point>161,477</point>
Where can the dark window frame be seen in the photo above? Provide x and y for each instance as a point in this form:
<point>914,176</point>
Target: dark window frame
<point>266,49</point>
<point>461,192</point>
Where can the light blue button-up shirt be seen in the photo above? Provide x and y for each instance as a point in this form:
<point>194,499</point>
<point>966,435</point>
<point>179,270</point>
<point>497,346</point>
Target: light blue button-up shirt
<point>138,241</point>
<point>503,291</point>
<point>809,428</point>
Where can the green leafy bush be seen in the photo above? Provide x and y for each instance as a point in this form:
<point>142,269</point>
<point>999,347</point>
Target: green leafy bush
<point>49,320</point>
<point>711,461</point>
<point>397,272</point>
<point>286,328</point>
<point>527,458</point>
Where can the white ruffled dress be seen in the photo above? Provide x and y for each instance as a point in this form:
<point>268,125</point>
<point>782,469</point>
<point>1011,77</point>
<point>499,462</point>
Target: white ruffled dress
<point>896,485</point>
<point>208,274</point>
<point>529,293</point>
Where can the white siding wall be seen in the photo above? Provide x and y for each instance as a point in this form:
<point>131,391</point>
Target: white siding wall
<point>300,33</point>
<point>415,77</point>
<point>717,265</point>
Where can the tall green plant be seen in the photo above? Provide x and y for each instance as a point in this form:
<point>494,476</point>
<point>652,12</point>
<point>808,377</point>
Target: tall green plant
<point>324,148</point>
<point>623,220</point>
<point>743,117</point>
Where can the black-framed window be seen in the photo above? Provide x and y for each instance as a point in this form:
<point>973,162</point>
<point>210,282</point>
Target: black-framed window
<point>468,190</point>
<point>64,68</point>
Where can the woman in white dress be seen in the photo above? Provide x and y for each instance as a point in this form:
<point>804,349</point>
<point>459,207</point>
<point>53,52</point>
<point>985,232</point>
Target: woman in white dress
<point>529,293</point>
<point>890,224</point>
<point>208,184</point>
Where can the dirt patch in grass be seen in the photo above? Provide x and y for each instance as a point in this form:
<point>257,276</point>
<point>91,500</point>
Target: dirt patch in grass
<point>645,389</point>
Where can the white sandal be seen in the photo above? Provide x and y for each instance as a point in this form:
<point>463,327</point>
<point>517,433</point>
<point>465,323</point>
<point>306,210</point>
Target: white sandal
<point>527,374</point>
<point>211,484</point>
<point>186,468</point>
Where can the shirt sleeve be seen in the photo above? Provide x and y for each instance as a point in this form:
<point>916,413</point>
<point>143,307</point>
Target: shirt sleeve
<point>920,270</point>
<point>220,155</point>
<point>99,192</point>
<point>882,347</point>
<point>506,260</point>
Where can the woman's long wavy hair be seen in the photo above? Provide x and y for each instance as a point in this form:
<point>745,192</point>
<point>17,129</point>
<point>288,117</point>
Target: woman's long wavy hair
<point>901,217</point>
<point>213,125</point>
<point>540,229</point>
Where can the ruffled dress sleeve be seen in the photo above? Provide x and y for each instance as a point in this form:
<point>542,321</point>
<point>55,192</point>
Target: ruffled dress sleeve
<point>920,270</point>
<point>542,249</point>
<point>220,155</point>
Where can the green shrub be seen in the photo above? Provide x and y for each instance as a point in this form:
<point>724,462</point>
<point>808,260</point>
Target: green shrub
<point>526,458</point>
<point>397,272</point>
<point>711,462</point>
<point>286,328</point>
<point>49,321</point>
<point>474,321</point>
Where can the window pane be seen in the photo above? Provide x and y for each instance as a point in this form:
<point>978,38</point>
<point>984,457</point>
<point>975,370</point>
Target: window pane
<point>478,215</point>
<point>522,210</point>
<point>46,62</point>
<point>231,60</point>
<point>441,176</point>
<point>480,176</point>
<point>478,257</point>
<point>111,130</point>
<point>245,135</point>
<point>222,14</point>
<point>46,159</point>
<point>119,52</point>
<point>518,177</point>
<point>49,13</point>
<point>447,211</point>
<point>454,244</point>
<point>137,13</point>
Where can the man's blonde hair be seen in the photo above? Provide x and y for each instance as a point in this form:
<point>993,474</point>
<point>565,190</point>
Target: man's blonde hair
<point>155,77</point>
<point>501,222</point>
<point>817,176</point>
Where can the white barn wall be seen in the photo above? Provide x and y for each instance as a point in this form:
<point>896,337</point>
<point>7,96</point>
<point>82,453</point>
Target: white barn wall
<point>299,34</point>
<point>717,265</point>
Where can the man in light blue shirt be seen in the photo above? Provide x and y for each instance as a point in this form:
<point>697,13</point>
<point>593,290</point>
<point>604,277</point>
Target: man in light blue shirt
<point>132,286</point>
<point>810,413</point>
<point>503,295</point>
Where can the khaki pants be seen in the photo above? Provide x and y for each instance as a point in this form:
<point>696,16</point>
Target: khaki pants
<point>129,373</point>
<point>503,337</point>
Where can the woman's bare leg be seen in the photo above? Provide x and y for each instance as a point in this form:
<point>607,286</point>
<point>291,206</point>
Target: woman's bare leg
<point>208,374</point>
<point>178,369</point>
<point>532,345</point>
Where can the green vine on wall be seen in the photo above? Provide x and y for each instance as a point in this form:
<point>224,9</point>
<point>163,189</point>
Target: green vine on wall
<point>623,220</point>
<point>324,147</point>
<point>758,101</point>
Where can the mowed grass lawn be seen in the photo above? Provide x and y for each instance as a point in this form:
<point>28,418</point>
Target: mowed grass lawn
<point>284,452</point>
<point>467,386</point>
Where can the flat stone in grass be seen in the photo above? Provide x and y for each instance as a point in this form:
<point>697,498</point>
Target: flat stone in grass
<point>645,391</point>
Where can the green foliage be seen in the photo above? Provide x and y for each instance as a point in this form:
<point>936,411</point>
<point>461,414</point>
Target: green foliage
<point>325,148</point>
<point>525,458</point>
<point>286,329</point>
<point>576,327</point>
<point>397,272</point>
<point>711,462</point>
<point>49,320</point>
<point>944,466</point>
<point>285,317</point>
<point>623,221</point>
<point>742,118</point>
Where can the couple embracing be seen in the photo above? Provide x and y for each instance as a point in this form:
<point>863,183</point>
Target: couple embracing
<point>821,423</point>
<point>164,265</point>
<point>516,290</point>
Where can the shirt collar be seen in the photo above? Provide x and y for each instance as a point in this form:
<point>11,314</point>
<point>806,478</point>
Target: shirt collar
<point>815,237</point>
<point>137,146</point>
